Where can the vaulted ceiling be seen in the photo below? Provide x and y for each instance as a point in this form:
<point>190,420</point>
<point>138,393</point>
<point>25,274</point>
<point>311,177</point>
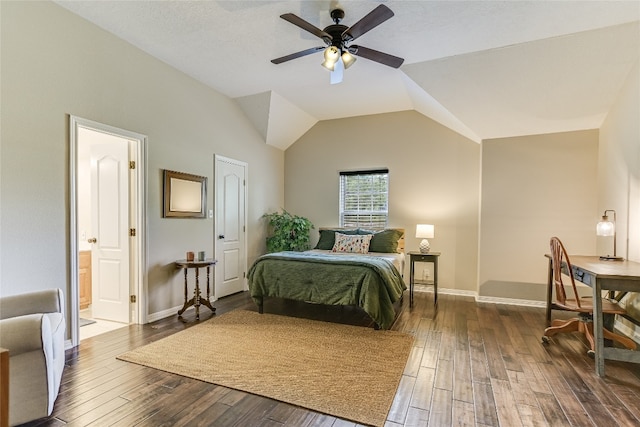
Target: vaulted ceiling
<point>485,69</point>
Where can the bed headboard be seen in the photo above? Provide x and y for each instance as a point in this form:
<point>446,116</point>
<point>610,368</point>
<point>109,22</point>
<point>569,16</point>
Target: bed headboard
<point>400,241</point>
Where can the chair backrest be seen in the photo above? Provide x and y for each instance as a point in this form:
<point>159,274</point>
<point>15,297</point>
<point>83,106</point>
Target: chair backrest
<point>558,254</point>
<point>45,301</point>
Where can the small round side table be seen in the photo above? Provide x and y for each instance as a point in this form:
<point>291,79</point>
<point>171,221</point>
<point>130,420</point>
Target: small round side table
<point>197,300</point>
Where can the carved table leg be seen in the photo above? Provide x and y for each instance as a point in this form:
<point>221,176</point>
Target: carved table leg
<point>196,295</point>
<point>206,302</point>
<point>187,303</point>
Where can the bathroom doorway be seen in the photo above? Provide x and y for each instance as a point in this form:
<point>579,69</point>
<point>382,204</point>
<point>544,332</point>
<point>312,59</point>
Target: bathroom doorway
<point>107,228</point>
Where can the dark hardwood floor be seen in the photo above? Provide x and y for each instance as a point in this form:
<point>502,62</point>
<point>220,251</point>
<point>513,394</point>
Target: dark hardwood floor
<point>472,364</point>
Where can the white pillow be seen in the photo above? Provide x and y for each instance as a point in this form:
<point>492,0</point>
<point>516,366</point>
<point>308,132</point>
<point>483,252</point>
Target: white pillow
<point>353,243</point>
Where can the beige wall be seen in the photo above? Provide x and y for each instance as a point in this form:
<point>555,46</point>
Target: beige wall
<point>619,177</point>
<point>619,169</point>
<point>433,178</point>
<point>55,64</point>
<point>534,187</point>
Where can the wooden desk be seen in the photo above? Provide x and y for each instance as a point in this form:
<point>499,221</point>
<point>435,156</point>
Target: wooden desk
<point>197,300</point>
<point>423,257</point>
<point>602,275</point>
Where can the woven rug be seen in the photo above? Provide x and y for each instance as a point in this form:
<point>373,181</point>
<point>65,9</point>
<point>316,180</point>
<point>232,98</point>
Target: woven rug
<point>346,371</point>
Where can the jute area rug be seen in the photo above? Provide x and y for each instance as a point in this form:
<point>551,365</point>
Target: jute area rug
<point>346,371</point>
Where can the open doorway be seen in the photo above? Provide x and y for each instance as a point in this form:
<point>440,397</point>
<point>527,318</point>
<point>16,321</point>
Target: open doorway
<point>107,228</point>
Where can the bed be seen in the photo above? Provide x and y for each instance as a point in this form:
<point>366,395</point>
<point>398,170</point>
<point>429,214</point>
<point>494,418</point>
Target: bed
<point>337,272</point>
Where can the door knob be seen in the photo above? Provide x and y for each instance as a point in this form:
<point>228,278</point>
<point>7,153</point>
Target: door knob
<point>221,236</point>
<point>92,240</point>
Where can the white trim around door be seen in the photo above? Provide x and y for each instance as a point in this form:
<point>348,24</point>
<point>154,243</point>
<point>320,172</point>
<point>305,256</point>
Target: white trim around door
<point>137,219</point>
<point>230,226</point>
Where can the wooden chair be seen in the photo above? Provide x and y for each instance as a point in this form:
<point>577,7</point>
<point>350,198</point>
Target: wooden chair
<point>583,306</point>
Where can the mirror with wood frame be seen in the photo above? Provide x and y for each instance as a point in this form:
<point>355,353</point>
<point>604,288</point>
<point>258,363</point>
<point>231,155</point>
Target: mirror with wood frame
<point>185,195</point>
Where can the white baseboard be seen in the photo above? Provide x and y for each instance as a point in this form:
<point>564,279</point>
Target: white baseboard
<point>480,298</point>
<point>444,291</point>
<point>461,292</point>
<point>512,301</point>
<point>152,317</point>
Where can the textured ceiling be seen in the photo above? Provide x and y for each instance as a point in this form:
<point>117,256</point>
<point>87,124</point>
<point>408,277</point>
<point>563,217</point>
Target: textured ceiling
<point>485,69</point>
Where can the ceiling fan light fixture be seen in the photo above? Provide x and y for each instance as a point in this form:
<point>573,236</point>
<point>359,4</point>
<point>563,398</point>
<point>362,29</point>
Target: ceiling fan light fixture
<point>331,56</point>
<point>337,52</point>
<point>331,53</point>
<point>329,65</point>
<point>348,59</point>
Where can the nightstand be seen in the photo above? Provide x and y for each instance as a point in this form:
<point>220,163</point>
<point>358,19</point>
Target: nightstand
<point>423,257</point>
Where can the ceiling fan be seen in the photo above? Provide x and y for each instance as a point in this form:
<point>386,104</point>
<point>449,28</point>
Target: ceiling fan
<point>338,52</point>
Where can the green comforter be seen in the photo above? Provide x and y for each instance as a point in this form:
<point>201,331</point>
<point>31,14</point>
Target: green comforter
<point>373,284</point>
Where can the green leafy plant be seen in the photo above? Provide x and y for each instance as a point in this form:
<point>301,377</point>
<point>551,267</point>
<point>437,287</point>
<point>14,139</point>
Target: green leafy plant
<point>288,232</point>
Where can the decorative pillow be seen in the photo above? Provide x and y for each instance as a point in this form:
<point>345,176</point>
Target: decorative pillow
<point>385,241</point>
<point>357,244</point>
<point>328,238</point>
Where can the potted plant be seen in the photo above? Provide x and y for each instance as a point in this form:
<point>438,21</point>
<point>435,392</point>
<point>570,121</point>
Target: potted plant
<point>288,232</point>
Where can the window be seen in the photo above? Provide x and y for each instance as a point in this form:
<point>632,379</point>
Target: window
<point>364,199</point>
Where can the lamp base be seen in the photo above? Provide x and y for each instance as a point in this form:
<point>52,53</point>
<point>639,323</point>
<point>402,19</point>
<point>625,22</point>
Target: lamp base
<point>611,258</point>
<point>424,246</point>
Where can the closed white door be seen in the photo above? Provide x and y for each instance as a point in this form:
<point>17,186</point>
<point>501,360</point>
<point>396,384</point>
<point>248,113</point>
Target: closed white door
<point>230,226</point>
<point>110,230</point>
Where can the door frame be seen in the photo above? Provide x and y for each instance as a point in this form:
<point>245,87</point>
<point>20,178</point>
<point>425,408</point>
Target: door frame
<point>218,158</point>
<point>138,213</point>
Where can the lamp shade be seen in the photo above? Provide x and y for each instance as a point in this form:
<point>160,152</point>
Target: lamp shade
<point>605,227</point>
<point>331,56</point>
<point>425,231</point>
<point>348,60</point>
<point>608,228</point>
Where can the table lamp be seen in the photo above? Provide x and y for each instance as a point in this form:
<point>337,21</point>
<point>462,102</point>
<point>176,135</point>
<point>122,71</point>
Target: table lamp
<point>424,232</point>
<point>608,228</point>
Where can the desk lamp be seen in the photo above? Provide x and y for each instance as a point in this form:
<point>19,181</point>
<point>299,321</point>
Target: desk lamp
<point>608,228</point>
<point>424,232</point>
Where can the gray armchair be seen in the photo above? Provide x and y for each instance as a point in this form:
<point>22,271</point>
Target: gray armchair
<point>32,328</point>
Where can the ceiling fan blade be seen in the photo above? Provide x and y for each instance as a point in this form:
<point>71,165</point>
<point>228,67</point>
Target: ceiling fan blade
<point>377,56</point>
<point>297,55</point>
<point>376,17</point>
<point>297,21</point>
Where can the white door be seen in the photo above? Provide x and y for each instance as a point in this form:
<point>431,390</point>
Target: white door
<point>110,230</point>
<point>230,226</point>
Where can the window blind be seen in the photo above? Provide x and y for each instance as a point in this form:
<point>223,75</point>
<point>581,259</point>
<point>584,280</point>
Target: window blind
<point>364,199</point>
